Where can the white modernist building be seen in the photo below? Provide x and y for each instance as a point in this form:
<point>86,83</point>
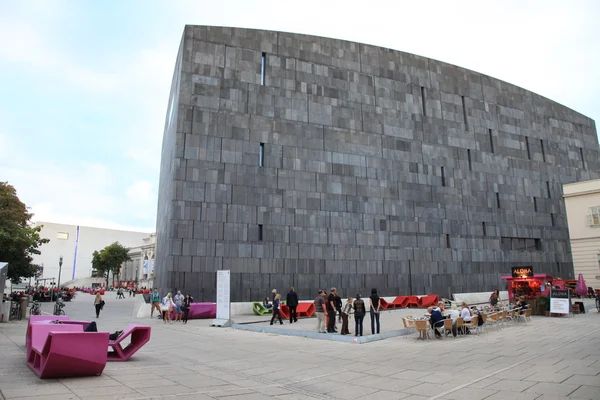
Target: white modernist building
<point>76,244</point>
<point>141,267</point>
<point>582,201</point>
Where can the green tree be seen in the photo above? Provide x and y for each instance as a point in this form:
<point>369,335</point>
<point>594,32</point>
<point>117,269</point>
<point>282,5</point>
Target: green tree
<point>18,239</point>
<point>110,259</point>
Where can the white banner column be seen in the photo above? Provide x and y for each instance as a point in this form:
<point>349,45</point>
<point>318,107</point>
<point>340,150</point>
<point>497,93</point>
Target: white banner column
<point>223,299</point>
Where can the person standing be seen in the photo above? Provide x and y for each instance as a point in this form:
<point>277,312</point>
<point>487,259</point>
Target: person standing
<point>277,309</point>
<point>178,304</point>
<point>292,302</point>
<point>359,315</point>
<point>187,302</point>
<point>155,303</point>
<point>346,310</point>
<point>320,311</point>
<point>495,298</point>
<point>338,305</point>
<point>374,310</point>
<point>166,307</point>
<point>98,303</point>
<point>331,312</point>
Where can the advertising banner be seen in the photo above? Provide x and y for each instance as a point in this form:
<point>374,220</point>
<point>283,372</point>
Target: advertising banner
<point>223,295</point>
<point>559,301</point>
<point>145,267</point>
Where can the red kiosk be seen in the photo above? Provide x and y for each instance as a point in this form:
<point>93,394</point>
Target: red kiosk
<point>523,282</point>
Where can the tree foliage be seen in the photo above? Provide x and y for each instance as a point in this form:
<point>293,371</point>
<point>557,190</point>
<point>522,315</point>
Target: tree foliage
<point>18,239</point>
<point>110,259</point>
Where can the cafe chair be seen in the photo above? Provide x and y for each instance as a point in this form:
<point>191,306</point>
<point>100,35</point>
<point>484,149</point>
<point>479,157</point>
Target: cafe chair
<point>473,324</point>
<point>423,328</point>
<point>494,320</point>
<point>460,325</point>
<point>484,318</point>
<point>409,323</point>
<point>443,329</point>
<point>526,316</point>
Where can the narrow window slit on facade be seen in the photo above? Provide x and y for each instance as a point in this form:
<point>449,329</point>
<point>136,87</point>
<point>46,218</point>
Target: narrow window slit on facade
<point>527,146</point>
<point>263,66</point>
<point>582,158</point>
<point>553,219</point>
<point>543,151</point>
<point>261,155</point>
<point>498,199</point>
<point>443,177</point>
<point>447,241</point>
<point>535,207</point>
<point>464,107</point>
<point>491,140</point>
<point>548,188</point>
<point>484,229</point>
<point>260,233</point>
<point>423,100</point>
<point>469,158</point>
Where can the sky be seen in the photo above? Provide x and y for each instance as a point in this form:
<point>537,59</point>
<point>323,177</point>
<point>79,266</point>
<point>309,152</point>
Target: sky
<point>84,84</point>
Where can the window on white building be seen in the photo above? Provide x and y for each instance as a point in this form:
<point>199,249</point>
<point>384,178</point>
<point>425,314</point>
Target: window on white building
<point>594,217</point>
<point>62,236</point>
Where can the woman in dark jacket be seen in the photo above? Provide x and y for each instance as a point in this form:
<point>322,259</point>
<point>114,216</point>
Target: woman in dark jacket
<point>359,315</point>
<point>187,301</point>
<point>277,309</point>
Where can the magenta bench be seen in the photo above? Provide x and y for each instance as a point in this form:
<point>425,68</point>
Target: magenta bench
<point>140,335</point>
<point>200,311</point>
<point>65,350</point>
<point>47,319</point>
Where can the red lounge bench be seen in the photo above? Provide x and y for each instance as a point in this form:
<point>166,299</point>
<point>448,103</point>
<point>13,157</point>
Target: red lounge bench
<point>413,301</point>
<point>400,302</point>
<point>429,300</point>
<point>284,311</point>
<point>59,351</point>
<point>140,335</point>
<point>305,310</point>
<point>384,304</point>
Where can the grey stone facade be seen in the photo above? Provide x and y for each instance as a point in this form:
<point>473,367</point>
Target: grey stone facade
<point>380,169</point>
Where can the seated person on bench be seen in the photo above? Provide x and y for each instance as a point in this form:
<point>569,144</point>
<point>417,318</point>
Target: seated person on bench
<point>266,303</point>
<point>92,327</point>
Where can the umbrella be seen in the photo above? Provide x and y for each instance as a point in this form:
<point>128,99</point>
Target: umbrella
<point>581,288</point>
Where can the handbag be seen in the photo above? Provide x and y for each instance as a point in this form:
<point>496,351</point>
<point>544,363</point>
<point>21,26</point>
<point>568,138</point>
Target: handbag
<point>164,307</point>
<point>102,304</point>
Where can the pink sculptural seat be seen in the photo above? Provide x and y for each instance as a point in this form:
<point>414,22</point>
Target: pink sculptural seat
<point>140,335</point>
<point>65,350</point>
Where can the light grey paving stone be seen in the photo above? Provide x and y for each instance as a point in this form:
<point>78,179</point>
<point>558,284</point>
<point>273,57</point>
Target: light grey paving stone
<point>549,377</point>
<point>503,395</point>
<point>511,385</point>
<point>586,392</point>
<point>555,389</point>
<point>352,392</point>
<point>470,393</point>
<point>584,380</point>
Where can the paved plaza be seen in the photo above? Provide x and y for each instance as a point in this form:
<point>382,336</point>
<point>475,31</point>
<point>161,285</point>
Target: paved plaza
<point>550,358</point>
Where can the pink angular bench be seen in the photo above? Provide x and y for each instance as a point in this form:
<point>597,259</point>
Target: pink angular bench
<point>48,319</point>
<point>200,311</point>
<point>61,350</point>
<point>140,335</point>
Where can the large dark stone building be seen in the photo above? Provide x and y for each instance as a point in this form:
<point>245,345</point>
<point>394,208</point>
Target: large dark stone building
<point>296,160</point>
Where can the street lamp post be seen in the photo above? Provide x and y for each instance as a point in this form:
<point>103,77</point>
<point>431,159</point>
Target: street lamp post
<point>60,263</point>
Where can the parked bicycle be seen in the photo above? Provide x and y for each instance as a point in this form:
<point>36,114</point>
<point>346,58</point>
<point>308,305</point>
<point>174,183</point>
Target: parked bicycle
<point>15,311</point>
<point>36,309</point>
<point>58,307</point>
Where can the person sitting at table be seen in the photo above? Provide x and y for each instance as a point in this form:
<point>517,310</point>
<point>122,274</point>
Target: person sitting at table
<point>266,303</point>
<point>436,320</point>
<point>453,314</point>
<point>523,304</point>
<point>466,315</point>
